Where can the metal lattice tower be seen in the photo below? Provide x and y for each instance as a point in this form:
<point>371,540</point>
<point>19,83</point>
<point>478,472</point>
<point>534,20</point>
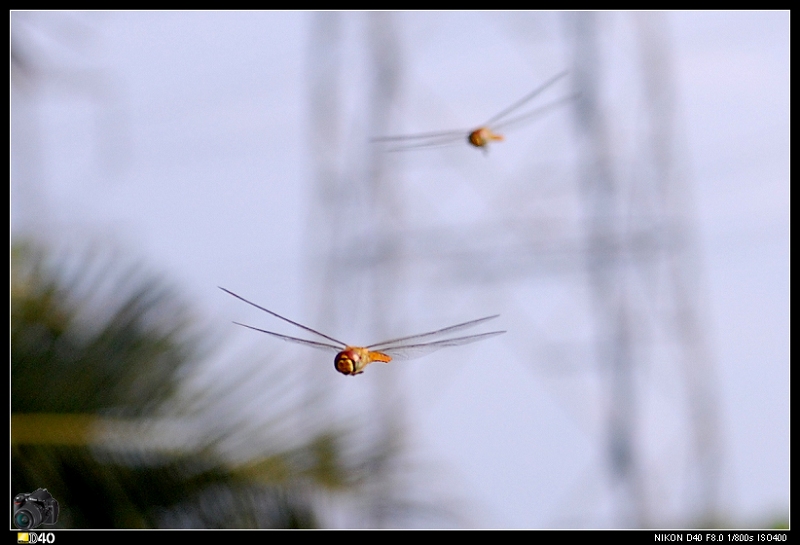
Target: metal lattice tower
<point>354,201</point>
<point>631,250</point>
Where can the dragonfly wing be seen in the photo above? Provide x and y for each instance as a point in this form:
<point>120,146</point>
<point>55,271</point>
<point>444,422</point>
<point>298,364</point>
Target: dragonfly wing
<point>533,113</point>
<point>313,344</point>
<point>301,326</point>
<point>447,330</point>
<point>525,99</point>
<point>448,142</point>
<point>411,351</point>
<point>420,136</point>
<point>432,140</point>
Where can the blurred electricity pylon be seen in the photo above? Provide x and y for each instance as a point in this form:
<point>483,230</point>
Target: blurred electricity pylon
<point>52,54</point>
<point>628,244</point>
<point>353,199</point>
<point>643,226</point>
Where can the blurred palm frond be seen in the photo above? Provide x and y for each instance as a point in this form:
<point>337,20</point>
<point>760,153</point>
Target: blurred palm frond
<point>98,355</point>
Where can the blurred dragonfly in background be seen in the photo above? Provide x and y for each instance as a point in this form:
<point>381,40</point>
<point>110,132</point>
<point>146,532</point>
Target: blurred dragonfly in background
<point>481,136</point>
<point>351,360</point>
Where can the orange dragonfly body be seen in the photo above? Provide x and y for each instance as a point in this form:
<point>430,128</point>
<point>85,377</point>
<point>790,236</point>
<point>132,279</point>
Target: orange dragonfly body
<point>481,136</point>
<point>351,360</point>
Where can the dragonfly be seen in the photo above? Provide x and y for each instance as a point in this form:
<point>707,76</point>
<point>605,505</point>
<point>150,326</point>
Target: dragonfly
<point>351,360</point>
<point>483,135</point>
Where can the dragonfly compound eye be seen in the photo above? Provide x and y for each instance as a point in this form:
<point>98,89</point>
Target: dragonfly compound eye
<point>477,138</point>
<point>344,364</point>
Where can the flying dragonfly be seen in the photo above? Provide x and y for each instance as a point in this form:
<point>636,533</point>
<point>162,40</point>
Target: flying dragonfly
<point>351,360</point>
<point>481,136</point>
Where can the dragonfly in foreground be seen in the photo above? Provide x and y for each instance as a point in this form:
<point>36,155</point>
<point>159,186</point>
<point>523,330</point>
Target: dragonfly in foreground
<point>351,360</point>
<point>481,136</point>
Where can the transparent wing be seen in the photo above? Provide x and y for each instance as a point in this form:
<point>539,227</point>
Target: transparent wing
<point>449,142</point>
<point>313,344</point>
<point>301,326</point>
<point>447,330</point>
<point>497,118</point>
<point>425,140</point>
<point>411,351</point>
<point>421,136</point>
<point>541,110</point>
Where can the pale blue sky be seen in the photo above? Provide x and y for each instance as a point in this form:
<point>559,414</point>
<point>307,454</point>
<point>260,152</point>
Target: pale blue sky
<point>183,138</point>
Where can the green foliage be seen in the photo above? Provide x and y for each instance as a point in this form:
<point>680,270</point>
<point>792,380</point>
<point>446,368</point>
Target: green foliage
<point>97,356</point>
<point>86,337</point>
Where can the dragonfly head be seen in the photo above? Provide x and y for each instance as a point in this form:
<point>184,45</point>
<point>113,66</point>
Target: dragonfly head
<point>482,136</point>
<point>351,361</point>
